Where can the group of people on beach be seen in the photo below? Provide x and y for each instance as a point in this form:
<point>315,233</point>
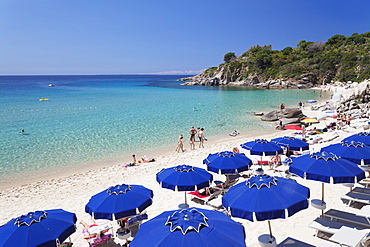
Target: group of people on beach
<point>343,120</point>
<point>192,132</point>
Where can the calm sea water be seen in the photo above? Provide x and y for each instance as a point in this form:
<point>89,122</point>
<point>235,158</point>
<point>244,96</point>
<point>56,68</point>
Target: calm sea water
<point>91,118</point>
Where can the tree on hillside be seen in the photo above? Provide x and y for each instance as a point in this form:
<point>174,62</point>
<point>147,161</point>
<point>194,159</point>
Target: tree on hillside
<point>230,56</point>
<point>336,40</point>
<point>315,47</point>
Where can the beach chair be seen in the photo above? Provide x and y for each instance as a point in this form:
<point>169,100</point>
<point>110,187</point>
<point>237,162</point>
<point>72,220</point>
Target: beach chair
<point>347,236</point>
<point>290,242</point>
<point>215,202</point>
<point>328,227</point>
<point>328,244</point>
<point>203,199</point>
<point>348,218</point>
<point>353,197</point>
<point>134,222</point>
<point>101,237</point>
<point>360,190</point>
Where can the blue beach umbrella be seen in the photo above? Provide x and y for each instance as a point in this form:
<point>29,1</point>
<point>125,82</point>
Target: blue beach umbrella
<point>363,137</point>
<point>190,227</point>
<point>292,143</point>
<point>356,152</point>
<point>39,228</point>
<point>324,167</point>
<point>119,201</point>
<point>311,101</point>
<point>184,178</point>
<point>265,198</point>
<point>262,147</point>
<point>227,162</point>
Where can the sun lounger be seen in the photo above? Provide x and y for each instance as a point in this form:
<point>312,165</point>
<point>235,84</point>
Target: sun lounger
<point>350,237</point>
<point>328,244</point>
<point>348,218</point>
<point>203,199</point>
<point>282,170</point>
<point>291,242</point>
<point>360,190</point>
<point>352,197</point>
<point>215,202</point>
<point>134,222</point>
<point>326,225</point>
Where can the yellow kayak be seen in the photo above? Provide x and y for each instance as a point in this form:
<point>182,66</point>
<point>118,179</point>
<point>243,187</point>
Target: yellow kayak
<point>43,99</point>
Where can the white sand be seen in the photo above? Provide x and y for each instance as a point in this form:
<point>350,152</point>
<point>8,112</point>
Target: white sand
<point>71,193</point>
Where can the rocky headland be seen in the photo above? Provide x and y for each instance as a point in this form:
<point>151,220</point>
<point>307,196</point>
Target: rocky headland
<point>307,65</point>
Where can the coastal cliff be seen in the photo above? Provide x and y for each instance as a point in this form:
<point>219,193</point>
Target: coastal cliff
<point>340,58</point>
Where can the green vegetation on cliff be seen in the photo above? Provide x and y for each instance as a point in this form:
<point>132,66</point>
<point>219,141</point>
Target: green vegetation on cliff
<point>339,58</point>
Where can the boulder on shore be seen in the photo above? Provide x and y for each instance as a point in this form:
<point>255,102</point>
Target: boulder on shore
<point>284,113</point>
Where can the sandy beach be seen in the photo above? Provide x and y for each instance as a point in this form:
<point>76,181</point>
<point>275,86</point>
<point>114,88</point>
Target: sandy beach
<point>72,192</point>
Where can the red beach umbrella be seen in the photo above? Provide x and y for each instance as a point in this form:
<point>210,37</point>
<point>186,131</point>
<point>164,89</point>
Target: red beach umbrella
<point>292,127</point>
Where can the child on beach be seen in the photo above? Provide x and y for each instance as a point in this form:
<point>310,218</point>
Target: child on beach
<point>180,144</point>
<point>133,163</point>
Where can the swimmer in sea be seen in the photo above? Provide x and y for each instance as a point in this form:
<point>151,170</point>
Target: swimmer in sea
<point>22,131</point>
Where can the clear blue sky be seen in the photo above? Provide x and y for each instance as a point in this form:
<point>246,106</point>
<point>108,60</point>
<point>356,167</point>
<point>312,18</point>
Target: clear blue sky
<point>162,36</point>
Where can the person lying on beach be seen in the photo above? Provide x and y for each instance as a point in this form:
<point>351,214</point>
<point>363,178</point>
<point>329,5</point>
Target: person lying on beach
<point>209,190</point>
<point>234,133</point>
<point>147,160</point>
<point>93,229</point>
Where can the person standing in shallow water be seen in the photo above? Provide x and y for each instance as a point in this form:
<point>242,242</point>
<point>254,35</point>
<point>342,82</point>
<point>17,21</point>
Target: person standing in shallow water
<point>201,138</point>
<point>192,133</point>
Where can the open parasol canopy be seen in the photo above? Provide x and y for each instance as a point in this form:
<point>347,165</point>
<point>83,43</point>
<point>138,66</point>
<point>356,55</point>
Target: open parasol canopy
<point>262,147</point>
<point>227,162</point>
<point>292,127</point>
<point>326,168</point>
<point>292,143</point>
<point>356,152</point>
<point>119,201</point>
<point>184,178</point>
<point>265,198</point>
<point>363,137</point>
<point>39,228</point>
<point>190,227</point>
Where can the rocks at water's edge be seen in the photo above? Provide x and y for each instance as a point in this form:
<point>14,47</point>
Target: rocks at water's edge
<point>354,101</point>
<point>289,115</point>
<point>304,81</point>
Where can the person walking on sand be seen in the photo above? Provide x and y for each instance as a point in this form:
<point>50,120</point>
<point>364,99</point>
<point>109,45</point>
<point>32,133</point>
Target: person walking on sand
<point>180,144</point>
<point>201,137</point>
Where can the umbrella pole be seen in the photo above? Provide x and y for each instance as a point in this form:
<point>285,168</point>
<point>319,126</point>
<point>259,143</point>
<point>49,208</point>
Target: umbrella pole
<point>270,229</point>
<point>185,198</point>
<point>322,199</point>
<point>261,163</point>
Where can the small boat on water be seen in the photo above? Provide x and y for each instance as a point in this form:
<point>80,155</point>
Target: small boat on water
<point>43,99</point>
<point>51,85</point>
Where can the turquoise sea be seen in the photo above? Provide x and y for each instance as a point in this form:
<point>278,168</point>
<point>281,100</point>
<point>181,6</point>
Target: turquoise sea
<point>94,118</point>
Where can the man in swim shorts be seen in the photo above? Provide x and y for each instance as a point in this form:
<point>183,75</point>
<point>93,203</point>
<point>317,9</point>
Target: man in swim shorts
<point>192,132</point>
